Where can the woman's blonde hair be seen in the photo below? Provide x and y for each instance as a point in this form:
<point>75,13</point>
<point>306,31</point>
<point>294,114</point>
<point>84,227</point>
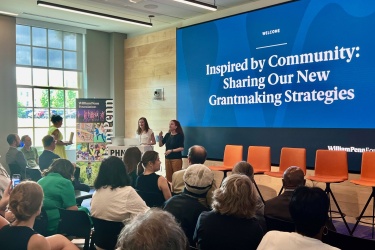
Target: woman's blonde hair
<point>26,200</point>
<point>235,197</point>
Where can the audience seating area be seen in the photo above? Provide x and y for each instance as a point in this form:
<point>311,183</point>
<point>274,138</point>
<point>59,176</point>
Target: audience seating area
<point>330,167</point>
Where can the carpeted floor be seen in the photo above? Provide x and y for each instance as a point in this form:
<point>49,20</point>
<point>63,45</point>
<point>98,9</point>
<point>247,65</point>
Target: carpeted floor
<point>362,230</point>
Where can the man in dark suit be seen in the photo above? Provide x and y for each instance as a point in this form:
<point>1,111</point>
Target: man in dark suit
<point>16,159</point>
<point>278,207</point>
<point>47,157</point>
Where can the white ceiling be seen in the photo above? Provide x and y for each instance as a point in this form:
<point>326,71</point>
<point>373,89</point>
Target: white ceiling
<point>167,12</point>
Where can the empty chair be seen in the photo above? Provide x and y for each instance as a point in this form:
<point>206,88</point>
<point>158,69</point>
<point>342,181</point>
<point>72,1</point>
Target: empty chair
<point>105,233</point>
<point>367,179</point>
<point>259,157</point>
<point>331,167</point>
<point>41,223</point>
<point>232,155</point>
<point>152,199</point>
<point>15,169</point>
<point>290,157</point>
<point>75,223</point>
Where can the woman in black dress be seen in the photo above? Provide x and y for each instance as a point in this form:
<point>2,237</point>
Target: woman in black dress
<point>174,145</point>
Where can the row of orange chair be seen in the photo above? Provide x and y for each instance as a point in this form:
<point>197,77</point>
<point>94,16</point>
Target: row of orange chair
<point>330,167</point>
<point>259,158</point>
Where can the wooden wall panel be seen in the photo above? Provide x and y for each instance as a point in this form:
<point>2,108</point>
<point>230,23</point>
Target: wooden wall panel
<point>150,63</point>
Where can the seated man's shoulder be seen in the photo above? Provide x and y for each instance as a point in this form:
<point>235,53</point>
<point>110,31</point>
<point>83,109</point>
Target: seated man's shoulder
<point>179,173</point>
<point>177,181</point>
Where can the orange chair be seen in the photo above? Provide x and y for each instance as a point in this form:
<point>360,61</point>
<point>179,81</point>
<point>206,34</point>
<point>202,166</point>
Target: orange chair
<point>290,157</point>
<point>331,167</point>
<point>259,157</point>
<point>367,179</point>
<point>232,155</point>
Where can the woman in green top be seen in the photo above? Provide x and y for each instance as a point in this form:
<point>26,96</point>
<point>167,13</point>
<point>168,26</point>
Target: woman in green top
<point>54,130</point>
<point>58,191</point>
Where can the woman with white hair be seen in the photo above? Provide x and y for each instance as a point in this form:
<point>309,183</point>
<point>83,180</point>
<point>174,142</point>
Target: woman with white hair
<point>232,223</point>
<point>156,230</point>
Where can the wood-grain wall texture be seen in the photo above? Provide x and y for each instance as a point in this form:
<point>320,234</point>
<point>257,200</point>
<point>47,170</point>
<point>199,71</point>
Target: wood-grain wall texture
<point>150,63</point>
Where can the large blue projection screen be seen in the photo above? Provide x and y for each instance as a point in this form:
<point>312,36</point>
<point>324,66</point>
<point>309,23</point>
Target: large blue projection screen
<point>304,65</point>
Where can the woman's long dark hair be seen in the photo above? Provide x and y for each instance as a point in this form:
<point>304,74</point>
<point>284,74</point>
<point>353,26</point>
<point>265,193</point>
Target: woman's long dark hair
<point>112,172</point>
<point>148,156</point>
<point>131,159</point>
<point>61,166</point>
<point>178,129</point>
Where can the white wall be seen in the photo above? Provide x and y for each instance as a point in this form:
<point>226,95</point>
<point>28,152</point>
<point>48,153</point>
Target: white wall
<point>8,92</point>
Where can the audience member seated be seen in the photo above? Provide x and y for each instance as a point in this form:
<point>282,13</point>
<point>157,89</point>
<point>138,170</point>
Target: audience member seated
<point>47,156</point>
<point>309,210</point>
<point>30,153</point>
<point>245,168</point>
<point>25,202</point>
<point>196,155</point>
<point>156,230</point>
<point>114,198</point>
<point>232,223</point>
<point>278,207</point>
<point>131,159</point>
<point>58,191</point>
<point>153,188</point>
<point>4,180</point>
<point>186,207</point>
<point>15,157</point>
<point>4,203</point>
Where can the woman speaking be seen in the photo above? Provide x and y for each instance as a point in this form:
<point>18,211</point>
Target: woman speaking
<point>174,145</point>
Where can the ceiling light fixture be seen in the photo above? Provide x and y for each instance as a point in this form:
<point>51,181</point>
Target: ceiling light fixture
<point>92,13</point>
<point>8,13</point>
<point>206,6</point>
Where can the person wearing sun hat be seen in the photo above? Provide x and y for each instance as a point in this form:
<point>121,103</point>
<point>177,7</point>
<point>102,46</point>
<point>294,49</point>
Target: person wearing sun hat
<point>187,206</point>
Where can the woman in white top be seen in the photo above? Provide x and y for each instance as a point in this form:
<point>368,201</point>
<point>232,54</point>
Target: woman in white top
<point>144,133</point>
<point>114,198</point>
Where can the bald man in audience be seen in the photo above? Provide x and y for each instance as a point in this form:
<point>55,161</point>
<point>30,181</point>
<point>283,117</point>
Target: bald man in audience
<point>196,155</point>
<point>278,207</point>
